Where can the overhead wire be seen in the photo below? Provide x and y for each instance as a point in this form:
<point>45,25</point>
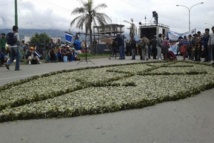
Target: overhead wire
<point>135,6</point>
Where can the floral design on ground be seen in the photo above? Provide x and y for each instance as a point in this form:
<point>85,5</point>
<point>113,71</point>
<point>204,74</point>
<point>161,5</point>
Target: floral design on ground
<point>102,89</point>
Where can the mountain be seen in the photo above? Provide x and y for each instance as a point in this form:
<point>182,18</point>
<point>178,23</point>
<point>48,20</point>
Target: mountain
<point>31,32</point>
<point>49,32</point>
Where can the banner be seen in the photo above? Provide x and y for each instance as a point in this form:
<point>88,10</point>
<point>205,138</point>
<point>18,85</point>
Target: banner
<point>174,35</point>
<point>68,37</point>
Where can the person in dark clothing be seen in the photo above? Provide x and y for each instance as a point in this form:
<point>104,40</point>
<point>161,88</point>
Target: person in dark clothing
<point>52,55</point>
<point>114,48</point>
<point>189,49</point>
<point>2,49</point>
<point>153,44</point>
<point>120,42</point>
<point>198,46</point>
<point>128,49</point>
<point>205,49</point>
<point>133,47</point>
<point>3,43</point>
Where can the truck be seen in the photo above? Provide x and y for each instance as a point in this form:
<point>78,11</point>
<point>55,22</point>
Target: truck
<point>151,29</point>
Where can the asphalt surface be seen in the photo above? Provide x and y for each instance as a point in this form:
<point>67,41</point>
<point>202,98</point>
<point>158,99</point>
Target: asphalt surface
<point>189,120</point>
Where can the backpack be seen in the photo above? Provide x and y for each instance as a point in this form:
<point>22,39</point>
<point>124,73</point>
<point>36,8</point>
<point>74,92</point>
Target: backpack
<point>11,39</point>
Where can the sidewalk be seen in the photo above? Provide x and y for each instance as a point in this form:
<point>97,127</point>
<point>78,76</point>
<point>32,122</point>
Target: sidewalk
<point>7,76</point>
<point>189,120</point>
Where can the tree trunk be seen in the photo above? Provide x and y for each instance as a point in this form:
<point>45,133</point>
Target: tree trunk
<point>91,44</point>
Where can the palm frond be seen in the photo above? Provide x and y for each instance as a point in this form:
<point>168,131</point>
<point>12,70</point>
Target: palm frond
<point>78,10</point>
<point>77,19</point>
<point>89,16</point>
<point>102,5</point>
<point>126,21</point>
<point>104,17</point>
<point>81,22</point>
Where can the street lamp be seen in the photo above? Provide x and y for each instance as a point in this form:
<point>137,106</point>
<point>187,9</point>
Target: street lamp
<point>189,9</point>
<point>16,13</point>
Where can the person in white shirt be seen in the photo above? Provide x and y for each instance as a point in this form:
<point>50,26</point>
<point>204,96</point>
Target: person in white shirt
<point>211,43</point>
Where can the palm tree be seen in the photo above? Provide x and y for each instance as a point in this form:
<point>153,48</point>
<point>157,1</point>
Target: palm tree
<point>132,28</point>
<point>88,16</point>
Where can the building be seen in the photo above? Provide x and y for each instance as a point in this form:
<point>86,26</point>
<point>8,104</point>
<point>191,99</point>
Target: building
<point>107,32</point>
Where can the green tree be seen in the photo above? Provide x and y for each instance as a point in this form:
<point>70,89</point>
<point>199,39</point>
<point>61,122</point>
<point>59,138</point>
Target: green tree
<point>39,39</point>
<point>89,15</point>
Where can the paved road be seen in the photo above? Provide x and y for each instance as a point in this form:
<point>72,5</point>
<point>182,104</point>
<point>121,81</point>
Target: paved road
<point>185,121</point>
<point>7,76</point>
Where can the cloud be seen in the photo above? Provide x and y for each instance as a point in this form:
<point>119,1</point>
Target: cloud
<point>55,14</point>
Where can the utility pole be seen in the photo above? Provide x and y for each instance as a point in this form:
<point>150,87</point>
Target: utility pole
<point>16,14</point>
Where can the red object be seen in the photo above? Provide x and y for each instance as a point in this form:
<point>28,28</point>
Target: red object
<point>183,49</point>
<point>171,56</point>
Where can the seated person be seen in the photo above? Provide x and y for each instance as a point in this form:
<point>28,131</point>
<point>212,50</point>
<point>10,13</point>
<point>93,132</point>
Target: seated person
<point>4,55</point>
<point>52,55</point>
<point>66,52</point>
<point>74,54</point>
<point>2,58</point>
<point>59,54</point>
<point>171,56</point>
<point>32,57</point>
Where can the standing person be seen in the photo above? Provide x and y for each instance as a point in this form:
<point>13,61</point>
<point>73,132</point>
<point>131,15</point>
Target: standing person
<point>159,46</point>
<point>194,39</point>
<point>78,46</point>
<point>120,42</point>
<point>114,46</point>
<point>2,49</point>
<point>51,44</point>
<point>133,47</point>
<point>183,46</point>
<point>144,48</point>
<point>153,43</point>
<point>198,45</point>
<point>13,42</point>
<point>205,49</point>
<point>211,44</point>
<point>58,43</point>
<point>149,52</point>
<point>94,46</point>
<point>165,48</point>
<point>189,49</point>
<point>128,49</point>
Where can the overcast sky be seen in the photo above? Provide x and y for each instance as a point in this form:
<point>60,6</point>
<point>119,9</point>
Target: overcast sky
<point>56,14</point>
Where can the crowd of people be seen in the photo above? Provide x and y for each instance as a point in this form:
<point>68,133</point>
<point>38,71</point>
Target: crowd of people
<point>52,52</point>
<point>194,47</point>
